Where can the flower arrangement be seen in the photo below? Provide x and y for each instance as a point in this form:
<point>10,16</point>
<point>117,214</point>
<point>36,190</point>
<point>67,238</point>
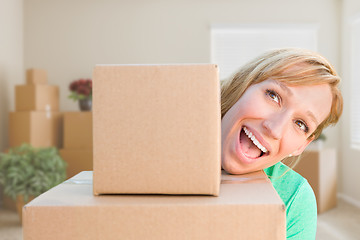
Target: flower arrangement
<point>81,89</point>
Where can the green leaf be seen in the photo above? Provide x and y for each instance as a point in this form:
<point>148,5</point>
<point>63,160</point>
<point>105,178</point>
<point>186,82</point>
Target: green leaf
<point>30,171</point>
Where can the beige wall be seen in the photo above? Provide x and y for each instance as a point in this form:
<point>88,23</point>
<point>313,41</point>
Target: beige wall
<point>11,60</point>
<point>350,161</point>
<point>68,37</point>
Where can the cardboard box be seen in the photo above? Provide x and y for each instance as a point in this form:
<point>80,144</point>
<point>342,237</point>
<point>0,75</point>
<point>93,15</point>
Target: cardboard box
<point>248,208</point>
<point>8,203</point>
<point>36,98</point>
<point>78,130</point>
<point>319,167</point>
<point>36,76</point>
<point>40,129</point>
<point>78,160</point>
<point>156,129</point>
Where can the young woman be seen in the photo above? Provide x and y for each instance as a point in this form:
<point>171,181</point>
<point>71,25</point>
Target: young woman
<point>271,109</point>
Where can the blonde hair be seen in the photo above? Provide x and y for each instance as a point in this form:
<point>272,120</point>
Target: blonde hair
<point>292,66</point>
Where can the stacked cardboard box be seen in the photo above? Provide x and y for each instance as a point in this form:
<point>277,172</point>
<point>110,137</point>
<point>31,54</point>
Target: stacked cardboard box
<point>247,208</point>
<point>156,131</point>
<point>77,151</point>
<point>36,119</point>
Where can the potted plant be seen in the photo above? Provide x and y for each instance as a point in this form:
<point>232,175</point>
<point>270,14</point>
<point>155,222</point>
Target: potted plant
<point>26,172</point>
<point>81,90</point>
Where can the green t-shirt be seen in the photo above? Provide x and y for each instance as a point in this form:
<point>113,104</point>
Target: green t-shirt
<point>299,199</point>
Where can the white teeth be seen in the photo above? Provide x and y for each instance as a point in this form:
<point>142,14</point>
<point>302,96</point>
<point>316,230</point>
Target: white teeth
<point>254,140</point>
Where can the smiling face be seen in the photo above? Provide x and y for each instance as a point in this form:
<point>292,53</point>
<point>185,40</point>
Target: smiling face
<point>270,121</point>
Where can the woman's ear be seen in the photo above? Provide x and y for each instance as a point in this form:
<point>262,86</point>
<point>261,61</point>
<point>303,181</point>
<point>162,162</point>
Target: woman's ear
<point>300,150</point>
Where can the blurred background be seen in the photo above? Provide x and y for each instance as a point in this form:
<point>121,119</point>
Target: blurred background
<point>68,38</point>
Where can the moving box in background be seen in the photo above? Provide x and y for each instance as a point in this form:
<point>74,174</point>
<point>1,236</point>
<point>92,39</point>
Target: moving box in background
<point>77,151</point>
<point>78,160</point>
<point>156,129</point>
<point>38,97</point>
<point>248,207</point>
<point>38,128</point>
<point>36,119</point>
<point>36,76</point>
<point>78,130</point>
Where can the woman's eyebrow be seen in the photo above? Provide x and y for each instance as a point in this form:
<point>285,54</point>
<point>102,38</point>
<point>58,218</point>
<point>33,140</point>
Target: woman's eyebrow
<point>284,87</point>
<point>312,116</point>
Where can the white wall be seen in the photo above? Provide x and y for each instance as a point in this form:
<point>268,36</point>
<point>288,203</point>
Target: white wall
<point>69,37</point>
<point>350,160</point>
<point>11,60</point>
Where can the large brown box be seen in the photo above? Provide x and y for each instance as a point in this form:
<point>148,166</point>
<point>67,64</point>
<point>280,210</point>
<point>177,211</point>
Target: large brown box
<point>156,129</point>
<point>248,207</point>
<point>78,130</point>
<point>40,129</point>
<point>36,76</point>
<point>36,98</point>
<point>319,167</point>
<point>78,160</point>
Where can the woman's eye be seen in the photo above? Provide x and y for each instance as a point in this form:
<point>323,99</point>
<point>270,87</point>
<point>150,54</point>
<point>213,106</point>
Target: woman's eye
<point>302,126</point>
<point>273,95</point>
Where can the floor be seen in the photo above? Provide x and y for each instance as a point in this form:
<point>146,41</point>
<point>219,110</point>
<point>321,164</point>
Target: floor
<point>10,226</point>
<point>340,223</point>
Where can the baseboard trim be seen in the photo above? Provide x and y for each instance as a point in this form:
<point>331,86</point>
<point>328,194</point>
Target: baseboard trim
<point>349,199</point>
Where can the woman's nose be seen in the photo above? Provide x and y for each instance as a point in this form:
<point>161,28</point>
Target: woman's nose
<point>276,125</point>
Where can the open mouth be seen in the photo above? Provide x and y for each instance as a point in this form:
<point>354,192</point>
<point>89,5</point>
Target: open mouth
<point>250,146</point>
